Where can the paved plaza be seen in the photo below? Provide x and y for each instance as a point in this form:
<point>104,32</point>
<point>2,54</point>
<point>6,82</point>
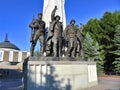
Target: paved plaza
<point>11,84</point>
<point>104,83</point>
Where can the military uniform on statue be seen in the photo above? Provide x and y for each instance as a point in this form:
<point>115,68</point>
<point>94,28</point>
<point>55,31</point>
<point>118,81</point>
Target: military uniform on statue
<point>56,29</point>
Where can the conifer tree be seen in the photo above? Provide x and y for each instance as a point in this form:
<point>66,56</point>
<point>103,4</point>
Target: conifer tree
<point>116,41</point>
<point>91,52</point>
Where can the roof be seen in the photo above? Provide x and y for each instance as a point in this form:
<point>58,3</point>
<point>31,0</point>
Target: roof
<point>7,44</point>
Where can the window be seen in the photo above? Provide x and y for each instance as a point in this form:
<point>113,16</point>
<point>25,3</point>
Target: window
<point>11,56</point>
<point>19,56</point>
<point>1,55</point>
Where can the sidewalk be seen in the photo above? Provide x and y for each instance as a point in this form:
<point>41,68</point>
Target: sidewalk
<point>106,83</point>
<point>11,84</point>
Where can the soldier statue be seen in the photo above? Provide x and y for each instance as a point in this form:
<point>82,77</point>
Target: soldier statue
<point>79,41</point>
<point>55,34</point>
<point>70,35</point>
<point>38,28</point>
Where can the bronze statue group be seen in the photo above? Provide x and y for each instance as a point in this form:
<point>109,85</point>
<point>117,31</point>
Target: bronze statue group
<point>56,42</point>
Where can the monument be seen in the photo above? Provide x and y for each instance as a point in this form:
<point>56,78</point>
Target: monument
<point>38,29</point>
<point>49,6</point>
<point>54,72</point>
<point>71,37</point>
<point>55,34</point>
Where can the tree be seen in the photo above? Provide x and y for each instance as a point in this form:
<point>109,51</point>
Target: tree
<point>94,29</point>
<point>91,52</point>
<point>102,30</point>
<point>37,53</point>
<point>109,22</point>
<point>116,42</point>
<point>99,59</point>
<point>88,47</point>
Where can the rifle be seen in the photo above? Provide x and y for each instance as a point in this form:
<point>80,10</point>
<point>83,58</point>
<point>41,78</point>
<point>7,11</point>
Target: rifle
<point>32,32</point>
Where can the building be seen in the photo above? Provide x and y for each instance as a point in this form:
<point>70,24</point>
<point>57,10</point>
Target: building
<point>9,52</point>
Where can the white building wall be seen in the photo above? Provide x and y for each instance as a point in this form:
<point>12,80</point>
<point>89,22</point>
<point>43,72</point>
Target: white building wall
<point>11,54</point>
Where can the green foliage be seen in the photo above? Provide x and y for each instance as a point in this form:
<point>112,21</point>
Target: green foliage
<point>88,47</point>
<point>116,42</point>
<point>37,53</point>
<point>93,28</point>
<point>91,48</point>
<point>102,31</point>
<point>91,52</point>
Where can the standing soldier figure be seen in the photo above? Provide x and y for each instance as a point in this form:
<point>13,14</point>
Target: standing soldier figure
<point>55,32</point>
<point>38,27</point>
<point>70,35</point>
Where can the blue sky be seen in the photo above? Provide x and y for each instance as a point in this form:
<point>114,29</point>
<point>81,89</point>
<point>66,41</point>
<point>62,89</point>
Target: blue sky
<point>15,16</point>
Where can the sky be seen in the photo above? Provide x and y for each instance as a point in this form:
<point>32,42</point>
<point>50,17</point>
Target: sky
<point>15,16</point>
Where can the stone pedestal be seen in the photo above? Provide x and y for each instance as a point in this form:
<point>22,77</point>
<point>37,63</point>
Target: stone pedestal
<point>45,74</point>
